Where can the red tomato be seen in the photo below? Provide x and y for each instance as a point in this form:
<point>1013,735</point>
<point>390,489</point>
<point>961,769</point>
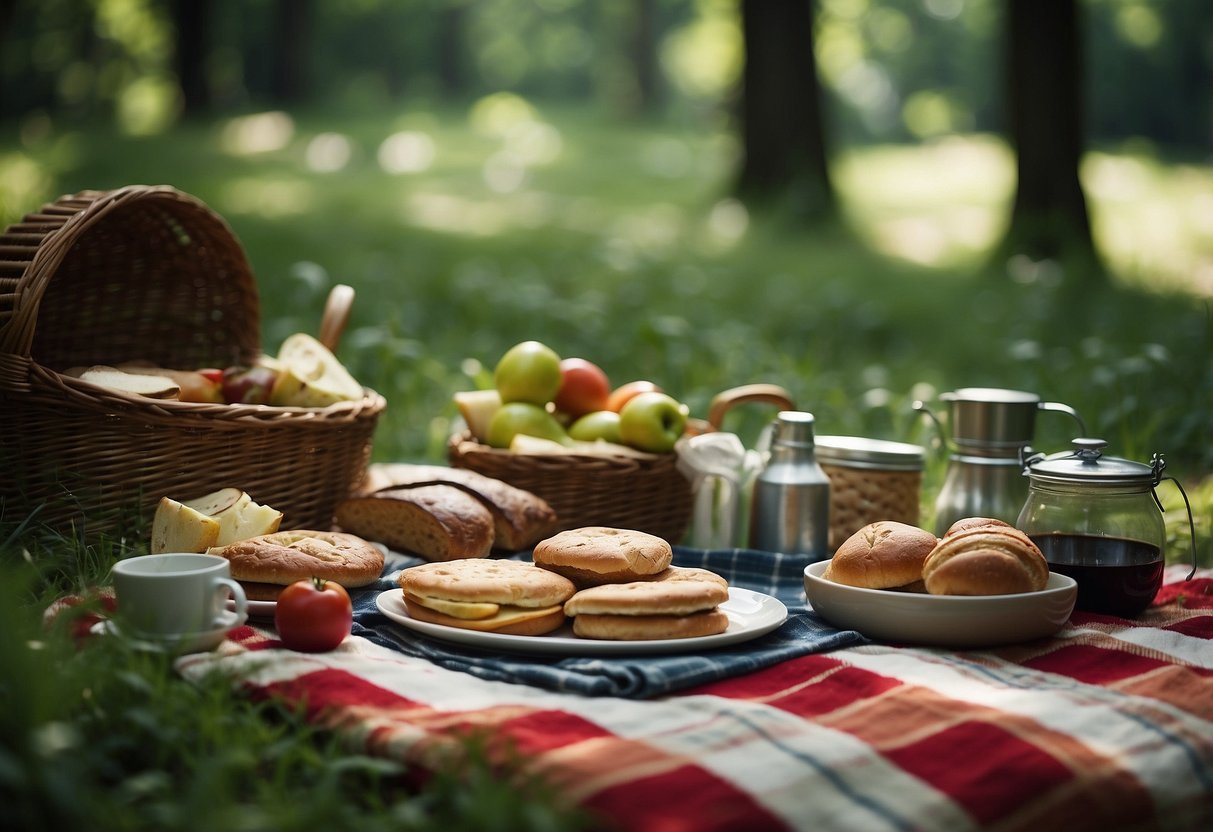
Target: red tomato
<point>313,616</point>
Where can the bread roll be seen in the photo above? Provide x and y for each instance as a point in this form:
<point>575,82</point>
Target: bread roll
<point>881,555</point>
<point>436,522</point>
<point>267,564</point>
<point>966,523</point>
<point>520,518</point>
<point>599,555</point>
<point>986,560</point>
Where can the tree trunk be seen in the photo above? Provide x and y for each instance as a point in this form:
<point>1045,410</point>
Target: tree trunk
<point>451,51</point>
<point>292,19</point>
<point>643,42</point>
<point>782,131</point>
<point>1044,56</point>
<point>192,20</point>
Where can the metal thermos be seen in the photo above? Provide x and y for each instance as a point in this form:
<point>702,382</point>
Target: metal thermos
<point>992,430</point>
<point>790,508</point>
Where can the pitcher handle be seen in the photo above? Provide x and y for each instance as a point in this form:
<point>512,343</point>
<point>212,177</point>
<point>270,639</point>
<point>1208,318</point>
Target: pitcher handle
<point>921,407</point>
<point>1058,407</point>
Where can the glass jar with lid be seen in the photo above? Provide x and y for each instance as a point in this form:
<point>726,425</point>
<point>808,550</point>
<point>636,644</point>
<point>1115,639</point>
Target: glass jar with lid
<point>1097,519</point>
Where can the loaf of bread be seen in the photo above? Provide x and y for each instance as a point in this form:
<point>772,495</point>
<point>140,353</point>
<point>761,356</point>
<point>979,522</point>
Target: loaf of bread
<point>520,518</point>
<point>882,555</point>
<point>985,559</point>
<point>435,522</point>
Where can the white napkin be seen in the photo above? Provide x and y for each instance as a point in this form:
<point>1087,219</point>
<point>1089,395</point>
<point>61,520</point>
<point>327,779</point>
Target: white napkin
<point>719,469</point>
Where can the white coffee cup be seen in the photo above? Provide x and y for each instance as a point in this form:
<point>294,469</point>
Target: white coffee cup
<point>176,595</point>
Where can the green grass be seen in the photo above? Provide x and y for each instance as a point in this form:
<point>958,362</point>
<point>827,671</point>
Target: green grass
<point>619,245</point>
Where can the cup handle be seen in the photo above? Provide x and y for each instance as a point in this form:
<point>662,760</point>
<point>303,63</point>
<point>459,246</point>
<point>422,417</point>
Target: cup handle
<point>238,616</point>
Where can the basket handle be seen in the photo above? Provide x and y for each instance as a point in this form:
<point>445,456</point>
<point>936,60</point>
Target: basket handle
<point>762,393</point>
<point>336,315</point>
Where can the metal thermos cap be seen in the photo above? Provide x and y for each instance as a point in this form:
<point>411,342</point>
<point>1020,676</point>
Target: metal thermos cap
<point>793,428</point>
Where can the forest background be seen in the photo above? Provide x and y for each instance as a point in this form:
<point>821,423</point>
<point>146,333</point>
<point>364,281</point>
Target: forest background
<point>485,172</point>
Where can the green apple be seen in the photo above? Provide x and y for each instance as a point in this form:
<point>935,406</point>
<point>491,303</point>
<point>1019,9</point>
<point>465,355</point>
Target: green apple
<point>528,372</point>
<point>514,418</point>
<point>598,424</point>
<point>652,422</point>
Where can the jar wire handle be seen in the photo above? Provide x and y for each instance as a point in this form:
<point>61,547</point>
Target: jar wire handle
<point>1191,522</point>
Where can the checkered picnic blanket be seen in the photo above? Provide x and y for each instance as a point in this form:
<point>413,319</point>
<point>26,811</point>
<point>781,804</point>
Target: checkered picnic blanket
<point>1107,725</point>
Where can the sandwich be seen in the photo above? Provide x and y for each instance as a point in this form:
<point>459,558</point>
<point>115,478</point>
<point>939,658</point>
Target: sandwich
<point>490,595</point>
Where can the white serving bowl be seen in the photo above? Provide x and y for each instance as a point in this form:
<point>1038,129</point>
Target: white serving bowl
<point>942,620</point>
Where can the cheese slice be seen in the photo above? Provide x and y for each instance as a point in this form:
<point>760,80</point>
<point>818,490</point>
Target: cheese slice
<point>467,610</point>
<point>507,616</point>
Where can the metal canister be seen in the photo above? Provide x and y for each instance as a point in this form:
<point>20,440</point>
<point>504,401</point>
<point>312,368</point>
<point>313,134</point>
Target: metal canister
<point>790,511</point>
<point>870,480</point>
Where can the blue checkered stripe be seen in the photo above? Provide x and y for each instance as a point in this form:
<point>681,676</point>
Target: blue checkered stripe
<point>636,677</point>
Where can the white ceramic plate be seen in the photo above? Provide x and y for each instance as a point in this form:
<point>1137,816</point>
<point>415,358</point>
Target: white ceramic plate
<point>185,643</point>
<point>751,614</point>
<point>942,620</point>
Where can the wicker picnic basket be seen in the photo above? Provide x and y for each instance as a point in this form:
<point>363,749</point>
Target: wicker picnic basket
<point>150,273</point>
<point>641,491</point>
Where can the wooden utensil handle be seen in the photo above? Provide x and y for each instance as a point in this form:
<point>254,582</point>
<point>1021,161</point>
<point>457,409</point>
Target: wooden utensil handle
<point>336,315</point>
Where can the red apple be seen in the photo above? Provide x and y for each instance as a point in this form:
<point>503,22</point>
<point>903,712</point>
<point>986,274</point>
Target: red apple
<point>622,394</point>
<point>584,387</point>
<point>248,385</point>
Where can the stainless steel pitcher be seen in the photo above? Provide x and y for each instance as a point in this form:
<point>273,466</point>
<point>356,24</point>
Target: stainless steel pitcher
<point>991,431</point>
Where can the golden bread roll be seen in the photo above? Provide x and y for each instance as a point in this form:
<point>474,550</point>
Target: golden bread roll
<point>437,522</point>
<point>502,596</point>
<point>681,602</point>
<point>985,560</point>
<point>966,523</point>
<point>599,555</point>
<point>882,555</point>
<point>267,564</point>
<point>520,518</point>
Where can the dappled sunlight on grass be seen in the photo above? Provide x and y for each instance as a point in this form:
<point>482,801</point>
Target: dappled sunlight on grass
<point>269,197</point>
<point>257,133</point>
<point>940,204</point>
<point>1153,221</point>
<point>945,204</point>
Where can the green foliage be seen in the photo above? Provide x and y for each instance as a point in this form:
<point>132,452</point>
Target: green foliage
<point>99,734</point>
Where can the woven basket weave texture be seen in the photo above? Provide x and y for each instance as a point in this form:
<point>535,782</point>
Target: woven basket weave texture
<point>147,273</point>
<point>645,492</point>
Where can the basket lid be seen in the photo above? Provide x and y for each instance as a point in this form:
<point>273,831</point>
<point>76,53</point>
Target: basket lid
<point>141,272</point>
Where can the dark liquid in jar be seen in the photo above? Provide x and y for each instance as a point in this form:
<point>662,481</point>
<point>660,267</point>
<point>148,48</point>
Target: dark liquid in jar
<point>1115,576</point>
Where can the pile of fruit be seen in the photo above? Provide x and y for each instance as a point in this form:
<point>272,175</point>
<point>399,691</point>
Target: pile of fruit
<point>304,373</point>
<point>537,397</point>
